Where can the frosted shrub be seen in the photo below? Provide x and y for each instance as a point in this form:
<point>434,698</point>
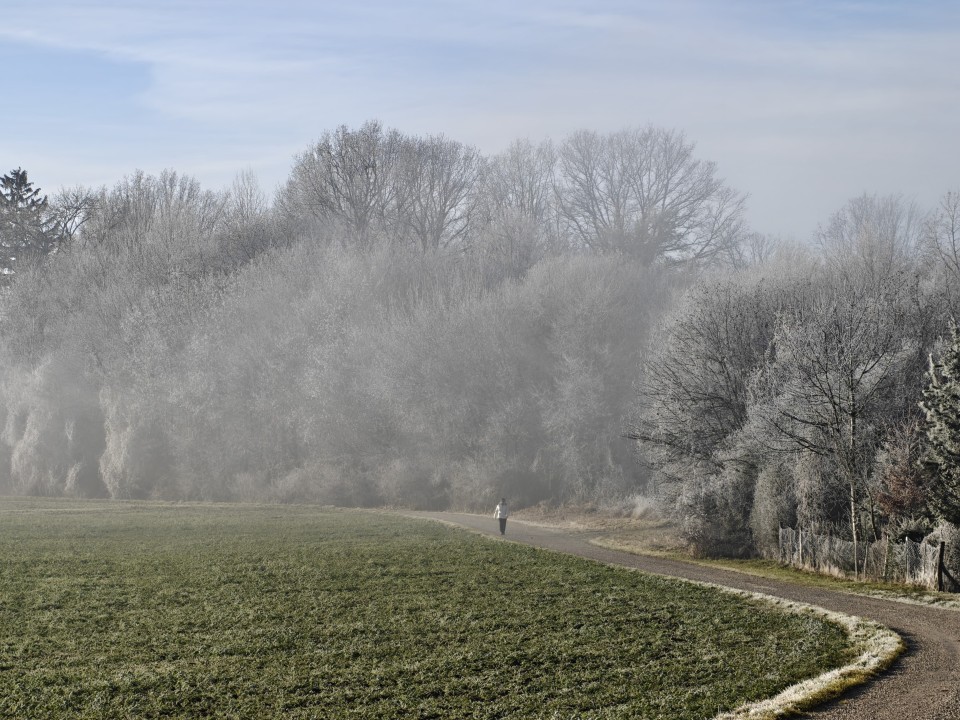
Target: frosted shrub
<point>774,507</point>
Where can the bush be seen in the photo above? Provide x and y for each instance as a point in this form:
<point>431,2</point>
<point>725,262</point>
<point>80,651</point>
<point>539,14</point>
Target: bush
<point>714,513</point>
<point>774,507</point>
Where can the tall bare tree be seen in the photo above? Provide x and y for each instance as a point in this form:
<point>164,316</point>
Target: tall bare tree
<point>346,184</point>
<point>520,209</point>
<point>642,192</point>
<point>440,181</point>
<point>876,232</point>
<point>941,240</point>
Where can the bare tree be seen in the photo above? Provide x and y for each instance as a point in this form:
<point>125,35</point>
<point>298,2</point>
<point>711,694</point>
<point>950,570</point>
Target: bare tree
<point>346,183</point>
<point>642,192</point>
<point>72,208</point>
<point>877,232</point>
<point>941,237</point>
<point>522,180</point>
<point>439,181</point>
<point>520,211</point>
<point>248,228</point>
<point>755,249</point>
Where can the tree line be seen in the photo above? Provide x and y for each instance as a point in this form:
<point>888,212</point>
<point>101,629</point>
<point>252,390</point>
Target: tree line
<point>408,321</point>
<point>813,390</point>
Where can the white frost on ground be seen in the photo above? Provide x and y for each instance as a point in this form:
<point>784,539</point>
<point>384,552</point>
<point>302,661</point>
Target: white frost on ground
<point>877,645</point>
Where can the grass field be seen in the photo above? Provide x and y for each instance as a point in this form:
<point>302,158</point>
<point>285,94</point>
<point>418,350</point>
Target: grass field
<point>150,610</point>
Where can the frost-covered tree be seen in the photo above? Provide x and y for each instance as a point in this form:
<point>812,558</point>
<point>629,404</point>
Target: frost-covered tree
<point>841,354</point>
<point>941,403</point>
<point>694,393</point>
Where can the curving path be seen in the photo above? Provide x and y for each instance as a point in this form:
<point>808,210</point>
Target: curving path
<point>924,684</point>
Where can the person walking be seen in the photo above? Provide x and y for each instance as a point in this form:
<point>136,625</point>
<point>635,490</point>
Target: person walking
<point>501,514</point>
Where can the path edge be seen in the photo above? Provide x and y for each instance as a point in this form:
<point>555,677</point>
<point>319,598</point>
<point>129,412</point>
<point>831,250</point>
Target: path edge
<point>878,647</point>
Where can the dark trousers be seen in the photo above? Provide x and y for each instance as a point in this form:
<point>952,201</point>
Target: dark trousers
<point>503,525</point>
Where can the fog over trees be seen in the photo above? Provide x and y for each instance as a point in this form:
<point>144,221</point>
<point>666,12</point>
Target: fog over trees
<point>411,322</point>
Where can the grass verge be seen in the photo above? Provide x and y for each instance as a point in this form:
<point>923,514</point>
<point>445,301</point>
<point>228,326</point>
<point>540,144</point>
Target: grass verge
<point>152,610</point>
<point>775,571</point>
<point>656,536</point>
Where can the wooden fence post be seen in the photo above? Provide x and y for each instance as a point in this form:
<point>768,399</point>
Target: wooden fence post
<point>886,555</point>
<point>943,546</point>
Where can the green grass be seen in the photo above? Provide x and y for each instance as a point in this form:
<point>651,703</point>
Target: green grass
<point>117,610</point>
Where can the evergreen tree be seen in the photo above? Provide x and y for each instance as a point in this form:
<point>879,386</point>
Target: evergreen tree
<point>941,403</point>
<point>27,229</point>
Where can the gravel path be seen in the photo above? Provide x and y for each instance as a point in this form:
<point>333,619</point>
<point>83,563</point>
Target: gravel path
<point>924,684</point>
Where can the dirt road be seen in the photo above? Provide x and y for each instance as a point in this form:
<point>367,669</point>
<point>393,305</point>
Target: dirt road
<point>924,684</point>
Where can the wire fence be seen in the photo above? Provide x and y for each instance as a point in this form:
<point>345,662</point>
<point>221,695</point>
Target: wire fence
<point>907,562</point>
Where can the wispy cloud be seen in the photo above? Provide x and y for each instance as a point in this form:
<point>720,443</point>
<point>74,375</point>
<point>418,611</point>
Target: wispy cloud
<point>808,87</point>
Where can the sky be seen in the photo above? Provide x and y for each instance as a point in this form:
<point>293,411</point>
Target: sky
<point>803,104</point>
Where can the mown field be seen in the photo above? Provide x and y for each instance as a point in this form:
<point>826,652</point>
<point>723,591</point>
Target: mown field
<point>119,610</point>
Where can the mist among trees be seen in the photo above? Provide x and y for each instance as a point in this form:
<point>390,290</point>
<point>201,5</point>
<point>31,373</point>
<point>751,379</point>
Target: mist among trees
<point>410,322</point>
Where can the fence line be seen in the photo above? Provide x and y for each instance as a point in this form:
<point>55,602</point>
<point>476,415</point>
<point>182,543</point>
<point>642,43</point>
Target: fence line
<point>908,562</point>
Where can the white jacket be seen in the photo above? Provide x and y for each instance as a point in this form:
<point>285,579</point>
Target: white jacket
<point>501,511</point>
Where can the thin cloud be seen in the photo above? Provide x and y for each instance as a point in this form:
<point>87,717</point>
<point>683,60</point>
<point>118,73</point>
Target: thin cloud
<point>813,75</point>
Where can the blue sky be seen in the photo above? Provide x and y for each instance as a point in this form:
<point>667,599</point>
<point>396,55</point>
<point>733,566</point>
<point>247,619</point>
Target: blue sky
<point>803,104</point>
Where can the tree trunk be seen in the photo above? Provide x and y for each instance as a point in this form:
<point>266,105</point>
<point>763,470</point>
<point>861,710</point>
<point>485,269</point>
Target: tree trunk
<point>853,528</point>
